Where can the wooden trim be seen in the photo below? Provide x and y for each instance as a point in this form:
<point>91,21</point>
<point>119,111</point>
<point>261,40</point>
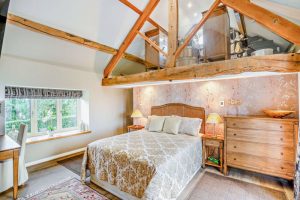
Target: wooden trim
<point>197,27</point>
<point>152,33</point>
<point>45,138</point>
<point>153,44</point>
<point>40,28</point>
<point>53,162</point>
<point>279,25</point>
<point>130,37</point>
<point>138,11</point>
<point>284,63</point>
<point>173,32</point>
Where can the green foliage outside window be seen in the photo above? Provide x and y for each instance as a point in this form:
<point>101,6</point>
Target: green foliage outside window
<point>18,111</point>
<point>69,113</point>
<point>46,115</point>
<point>42,117</point>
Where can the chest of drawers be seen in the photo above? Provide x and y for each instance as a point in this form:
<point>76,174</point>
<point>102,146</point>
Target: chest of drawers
<point>261,144</point>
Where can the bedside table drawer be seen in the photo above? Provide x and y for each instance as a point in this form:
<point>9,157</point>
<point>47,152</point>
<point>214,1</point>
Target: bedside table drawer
<point>212,143</point>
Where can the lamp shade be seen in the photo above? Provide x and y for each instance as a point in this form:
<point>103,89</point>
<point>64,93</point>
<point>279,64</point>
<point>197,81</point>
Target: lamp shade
<point>136,114</point>
<point>214,118</point>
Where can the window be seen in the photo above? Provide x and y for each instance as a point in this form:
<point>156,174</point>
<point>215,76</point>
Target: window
<point>41,115</point>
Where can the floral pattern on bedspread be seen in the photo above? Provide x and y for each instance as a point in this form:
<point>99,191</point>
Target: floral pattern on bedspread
<point>146,165</point>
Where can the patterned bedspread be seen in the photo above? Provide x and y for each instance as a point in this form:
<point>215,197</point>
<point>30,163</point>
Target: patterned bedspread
<point>147,165</point>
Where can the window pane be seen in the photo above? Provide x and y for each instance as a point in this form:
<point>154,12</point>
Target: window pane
<point>69,113</point>
<point>17,111</point>
<point>46,115</point>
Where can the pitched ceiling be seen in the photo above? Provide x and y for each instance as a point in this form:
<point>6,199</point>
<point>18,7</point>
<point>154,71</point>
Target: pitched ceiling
<point>104,21</point>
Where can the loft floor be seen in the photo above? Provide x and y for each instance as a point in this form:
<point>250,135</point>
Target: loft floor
<point>64,169</point>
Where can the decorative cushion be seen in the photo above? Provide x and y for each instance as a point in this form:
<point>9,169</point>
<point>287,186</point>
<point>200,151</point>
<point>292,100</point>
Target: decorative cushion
<point>156,123</point>
<point>190,126</point>
<point>148,121</point>
<point>171,125</point>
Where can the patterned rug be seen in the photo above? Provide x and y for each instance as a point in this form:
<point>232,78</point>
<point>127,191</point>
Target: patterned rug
<point>71,189</point>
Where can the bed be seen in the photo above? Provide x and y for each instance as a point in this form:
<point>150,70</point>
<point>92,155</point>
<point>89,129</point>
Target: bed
<point>147,165</point>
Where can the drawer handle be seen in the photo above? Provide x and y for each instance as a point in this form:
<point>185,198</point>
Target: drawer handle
<point>281,168</point>
<point>281,139</point>
<point>234,147</point>
<point>234,158</point>
<point>234,124</point>
<point>280,126</point>
<point>281,153</point>
<point>234,134</point>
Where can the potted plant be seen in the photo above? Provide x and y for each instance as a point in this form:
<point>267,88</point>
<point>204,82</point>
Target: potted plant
<point>50,131</point>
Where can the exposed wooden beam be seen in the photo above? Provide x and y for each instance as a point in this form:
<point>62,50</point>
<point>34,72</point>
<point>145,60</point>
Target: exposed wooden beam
<point>138,11</point>
<point>153,44</point>
<point>275,23</point>
<point>130,37</point>
<point>40,28</point>
<point>173,32</point>
<point>284,63</point>
<point>197,27</point>
<point>152,33</point>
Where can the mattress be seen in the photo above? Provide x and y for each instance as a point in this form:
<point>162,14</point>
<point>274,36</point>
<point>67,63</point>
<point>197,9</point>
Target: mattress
<point>146,165</point>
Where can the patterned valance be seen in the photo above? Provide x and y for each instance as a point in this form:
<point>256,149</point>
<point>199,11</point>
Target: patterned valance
<point>41,93</point>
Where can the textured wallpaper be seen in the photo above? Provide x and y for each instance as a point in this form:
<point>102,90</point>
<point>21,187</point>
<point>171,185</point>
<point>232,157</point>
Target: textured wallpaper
<point>245,96</point>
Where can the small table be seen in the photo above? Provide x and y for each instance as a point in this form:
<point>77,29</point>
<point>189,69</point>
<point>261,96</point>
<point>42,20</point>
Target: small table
<point>134,127</point>
<point>209,141</point>
<point>9,149</point>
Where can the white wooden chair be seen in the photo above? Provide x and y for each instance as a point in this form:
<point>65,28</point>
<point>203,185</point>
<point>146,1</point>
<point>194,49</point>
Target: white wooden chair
<point>6,167</point>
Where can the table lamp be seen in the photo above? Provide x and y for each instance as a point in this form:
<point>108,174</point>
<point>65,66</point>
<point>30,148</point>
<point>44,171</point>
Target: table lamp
<point>214,118</point>
<point>136,114</point>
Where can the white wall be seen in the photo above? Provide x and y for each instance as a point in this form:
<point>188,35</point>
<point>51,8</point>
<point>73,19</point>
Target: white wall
<point>107,105</point>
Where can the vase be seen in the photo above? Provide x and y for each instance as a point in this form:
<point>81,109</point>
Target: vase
<point>50,133</point>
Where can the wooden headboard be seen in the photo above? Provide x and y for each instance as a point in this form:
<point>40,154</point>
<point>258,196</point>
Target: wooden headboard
<point>182,110</point>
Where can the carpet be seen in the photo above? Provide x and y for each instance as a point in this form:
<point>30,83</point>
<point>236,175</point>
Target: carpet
<point>70,189</point>
<point>73,164</point>
<point>217,187</point>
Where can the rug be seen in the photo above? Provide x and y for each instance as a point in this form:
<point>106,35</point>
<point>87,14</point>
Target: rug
<point>217,187</point>
<point>70,189</point>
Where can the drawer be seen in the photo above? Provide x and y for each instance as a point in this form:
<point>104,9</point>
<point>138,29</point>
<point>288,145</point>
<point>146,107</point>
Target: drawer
<point>262,150</point>
<point>261,136</point>
<point>260,124</point>
<point>263,165</point>
<point>213,143</point>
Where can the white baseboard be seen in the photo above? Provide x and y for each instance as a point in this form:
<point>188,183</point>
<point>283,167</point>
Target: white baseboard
<point>55,157</point>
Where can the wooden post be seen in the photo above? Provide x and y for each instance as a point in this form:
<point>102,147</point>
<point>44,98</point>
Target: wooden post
<point>173,33</point>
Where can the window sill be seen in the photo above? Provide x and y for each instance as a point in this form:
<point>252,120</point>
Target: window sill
<point>45,138</point>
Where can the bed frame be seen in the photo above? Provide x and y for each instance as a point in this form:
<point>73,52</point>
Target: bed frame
<point>178,109</point>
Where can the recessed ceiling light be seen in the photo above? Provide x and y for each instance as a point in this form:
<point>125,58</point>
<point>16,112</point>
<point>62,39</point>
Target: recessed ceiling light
<point>189,5</point>
<point>195,14</point>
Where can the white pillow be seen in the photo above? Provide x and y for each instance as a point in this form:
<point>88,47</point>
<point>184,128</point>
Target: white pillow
<point>190,126</point>
<point>172,124</point>
<point>149,119</point>
<point>156,124</point>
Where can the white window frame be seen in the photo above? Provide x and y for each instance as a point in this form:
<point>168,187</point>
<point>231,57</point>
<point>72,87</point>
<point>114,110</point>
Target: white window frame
<point>34,119</point>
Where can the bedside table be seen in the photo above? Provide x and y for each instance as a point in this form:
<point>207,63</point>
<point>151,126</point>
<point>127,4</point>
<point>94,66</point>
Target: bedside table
<point>134,128</point>
<point>211,142</point>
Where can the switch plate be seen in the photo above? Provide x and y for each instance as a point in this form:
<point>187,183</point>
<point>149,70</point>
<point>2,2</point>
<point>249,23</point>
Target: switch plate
<point>222,103</point>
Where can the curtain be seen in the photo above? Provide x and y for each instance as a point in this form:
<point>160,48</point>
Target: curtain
<point>41,93</point>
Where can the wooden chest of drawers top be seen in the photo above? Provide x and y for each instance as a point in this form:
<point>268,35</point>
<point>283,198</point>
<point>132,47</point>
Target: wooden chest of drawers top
<point>260,123</point>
